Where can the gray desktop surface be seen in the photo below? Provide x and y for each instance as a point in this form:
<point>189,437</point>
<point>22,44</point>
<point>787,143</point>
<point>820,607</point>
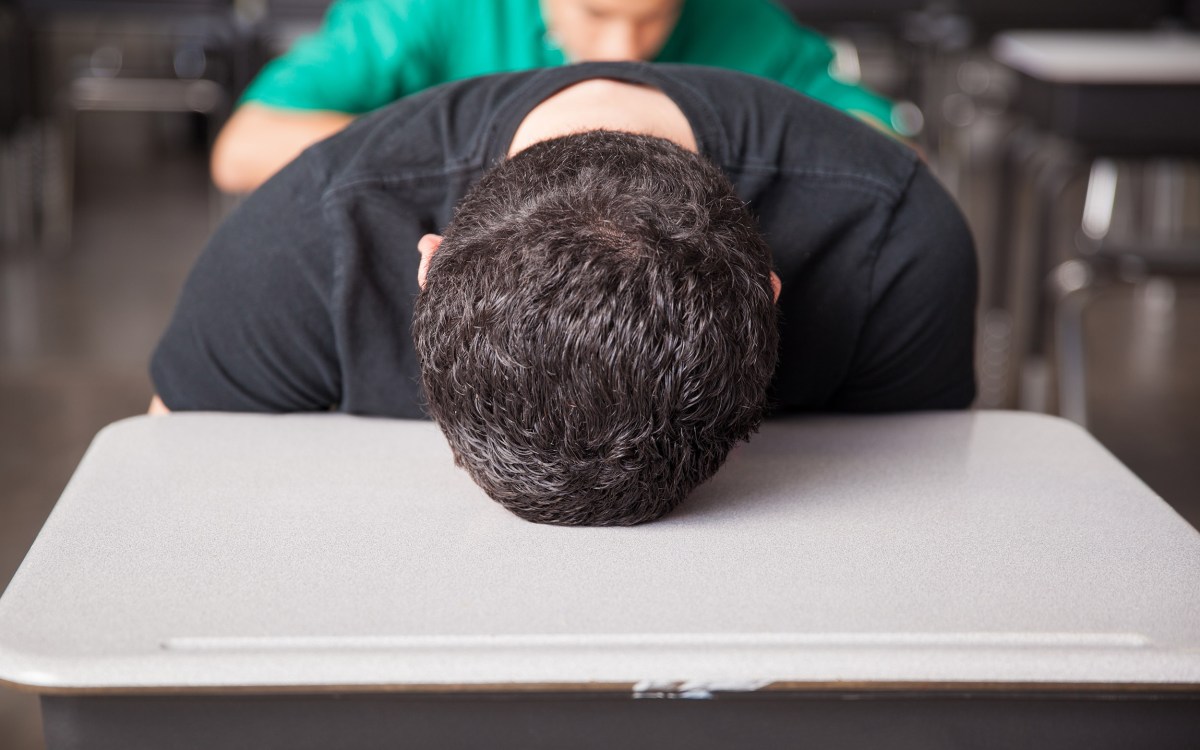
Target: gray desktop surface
<point>202,551</point>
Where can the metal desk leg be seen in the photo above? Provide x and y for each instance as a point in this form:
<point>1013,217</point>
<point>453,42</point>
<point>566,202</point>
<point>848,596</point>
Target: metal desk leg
<point>1048,187</point>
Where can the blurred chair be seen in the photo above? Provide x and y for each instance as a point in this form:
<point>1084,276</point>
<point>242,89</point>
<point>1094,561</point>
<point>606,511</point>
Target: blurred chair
<point>940,50</point>
<point>153,56</point>
<point>1091,100</point>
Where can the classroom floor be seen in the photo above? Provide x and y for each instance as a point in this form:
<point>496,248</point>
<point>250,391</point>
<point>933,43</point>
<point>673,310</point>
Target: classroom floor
<point>76,332</point>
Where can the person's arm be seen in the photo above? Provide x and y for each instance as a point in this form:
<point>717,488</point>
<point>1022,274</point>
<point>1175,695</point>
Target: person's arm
<point>157,407</point>
<point>762,38</point>
<point>259,140</point>
<point>916,349</point>
<point>808,73</point>
<point>253,329</point>
<point>367,54</point>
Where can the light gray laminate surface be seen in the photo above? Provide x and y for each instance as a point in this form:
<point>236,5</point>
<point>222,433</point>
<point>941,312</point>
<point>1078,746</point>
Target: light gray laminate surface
<point>324,550</point>
<point>1102,57</point>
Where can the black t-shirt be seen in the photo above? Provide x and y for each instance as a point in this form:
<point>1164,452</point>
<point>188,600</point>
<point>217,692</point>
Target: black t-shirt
<point>303,298</point>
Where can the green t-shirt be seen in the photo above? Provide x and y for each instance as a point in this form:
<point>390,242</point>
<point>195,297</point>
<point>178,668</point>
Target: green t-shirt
<point>369,53</point>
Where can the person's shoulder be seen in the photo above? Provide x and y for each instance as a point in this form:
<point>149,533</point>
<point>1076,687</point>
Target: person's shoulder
<point>757,36</point>
<point>443,128</point>
<point>404,9</point>
<point>421,22</point>
<point>384,19</point>
<point>755,14</point>
<point>763,125</point>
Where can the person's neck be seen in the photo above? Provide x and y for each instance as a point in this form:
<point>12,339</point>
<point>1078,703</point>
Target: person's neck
<point>604,104</point>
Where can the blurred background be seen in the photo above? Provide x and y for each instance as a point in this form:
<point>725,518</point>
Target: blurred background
<point>1069,130</point>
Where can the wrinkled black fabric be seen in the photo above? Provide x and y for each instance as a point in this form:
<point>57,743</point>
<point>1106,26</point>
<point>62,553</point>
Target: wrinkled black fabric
<point>302,299</point>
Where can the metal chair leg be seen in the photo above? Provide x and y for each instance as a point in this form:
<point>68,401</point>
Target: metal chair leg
<point>1101,197</point>
<point>1071,290</point>
<point>1004,300</point>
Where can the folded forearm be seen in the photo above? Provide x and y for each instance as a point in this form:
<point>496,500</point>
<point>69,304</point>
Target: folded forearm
<point>259,140</point>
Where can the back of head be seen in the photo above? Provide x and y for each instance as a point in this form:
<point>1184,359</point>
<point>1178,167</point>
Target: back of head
<point>597,329</point>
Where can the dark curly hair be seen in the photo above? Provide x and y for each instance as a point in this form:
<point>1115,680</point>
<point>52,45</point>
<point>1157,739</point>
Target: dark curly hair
<point>597,329</point>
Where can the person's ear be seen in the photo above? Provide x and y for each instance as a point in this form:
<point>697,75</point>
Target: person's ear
<point>776,285</point>
<point>427,246</point>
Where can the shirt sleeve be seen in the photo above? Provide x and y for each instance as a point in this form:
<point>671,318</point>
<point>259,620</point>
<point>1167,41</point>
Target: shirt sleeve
<point>366,54</point>
<point>763,39</point>
<point>808,73</point>
<point>252,329</point>
<point>917,346</point>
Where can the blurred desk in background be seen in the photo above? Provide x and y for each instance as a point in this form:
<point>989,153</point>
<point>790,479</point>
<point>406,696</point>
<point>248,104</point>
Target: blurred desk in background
<point>985,579</point>
<point>162,57</point>
<point>1125,93</point>
<point>1089,99</point>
